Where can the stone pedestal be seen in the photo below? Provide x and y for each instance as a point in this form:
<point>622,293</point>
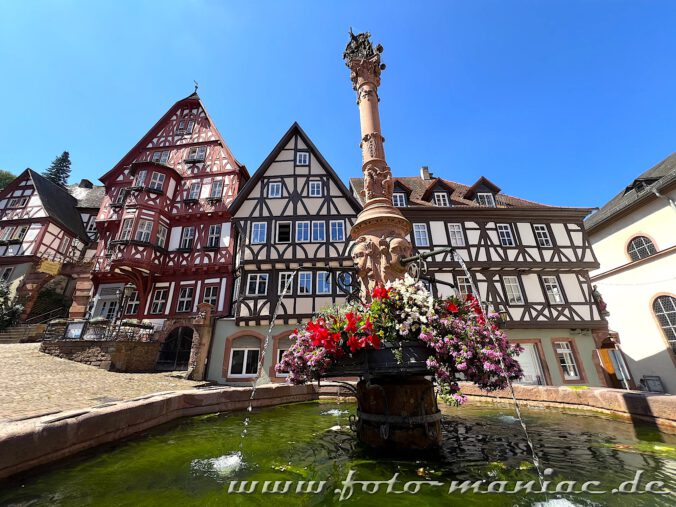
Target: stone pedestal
<point>398,413</point>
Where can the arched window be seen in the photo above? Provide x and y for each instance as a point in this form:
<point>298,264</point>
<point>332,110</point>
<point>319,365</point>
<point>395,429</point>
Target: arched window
<point>665,311</point>
<point>640,247</point>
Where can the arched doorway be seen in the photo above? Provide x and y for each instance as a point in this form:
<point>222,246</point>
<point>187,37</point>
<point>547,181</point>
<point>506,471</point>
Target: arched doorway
<point>175,351</point>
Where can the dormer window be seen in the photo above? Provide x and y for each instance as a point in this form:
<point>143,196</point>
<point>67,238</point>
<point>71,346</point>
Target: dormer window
<point>302,158</point>
<point>185,127</point>
<point>399,199</point>
<point>198,153</point>
<point>161,157</point>
<point>485,199</point>
<point>441,199</point>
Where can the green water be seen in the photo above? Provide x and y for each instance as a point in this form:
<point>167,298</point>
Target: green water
<point>191,462</point>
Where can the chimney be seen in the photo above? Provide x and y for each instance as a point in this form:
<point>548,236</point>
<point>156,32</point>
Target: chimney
<point>85,183</point>
<point>425,173</point>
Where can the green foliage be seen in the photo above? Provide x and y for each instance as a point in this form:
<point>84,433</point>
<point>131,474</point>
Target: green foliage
<point>9,310</point>
<point>6,178</point>
<point>59,171</point>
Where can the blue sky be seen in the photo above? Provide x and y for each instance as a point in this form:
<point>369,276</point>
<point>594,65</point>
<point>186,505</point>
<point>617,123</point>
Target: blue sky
<point>563,102</point>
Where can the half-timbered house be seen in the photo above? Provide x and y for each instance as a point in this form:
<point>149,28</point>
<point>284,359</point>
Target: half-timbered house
<point>164,227</point>
<point>527,258</point>
<point>43,227</point>
<point>291,222</point>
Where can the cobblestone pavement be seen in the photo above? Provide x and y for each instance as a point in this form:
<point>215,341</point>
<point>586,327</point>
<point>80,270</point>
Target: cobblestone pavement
<point>33,383</point>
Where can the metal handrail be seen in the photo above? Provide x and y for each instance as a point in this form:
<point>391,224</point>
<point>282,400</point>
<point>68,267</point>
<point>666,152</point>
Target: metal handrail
<point>45,316</point>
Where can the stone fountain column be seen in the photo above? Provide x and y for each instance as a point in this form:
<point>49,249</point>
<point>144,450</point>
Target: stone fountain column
<point>395,411</point>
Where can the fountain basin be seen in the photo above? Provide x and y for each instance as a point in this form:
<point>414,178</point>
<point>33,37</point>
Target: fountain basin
<point>194,462</point>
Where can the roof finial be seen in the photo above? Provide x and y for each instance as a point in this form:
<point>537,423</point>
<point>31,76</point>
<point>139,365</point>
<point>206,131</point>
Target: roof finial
<point>196,85</point>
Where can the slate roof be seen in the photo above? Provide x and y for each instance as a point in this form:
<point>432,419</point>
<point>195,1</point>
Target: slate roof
<point>658,176</point>
<point>59,204</point>
<point>419,187</point>
<point>87,197</point>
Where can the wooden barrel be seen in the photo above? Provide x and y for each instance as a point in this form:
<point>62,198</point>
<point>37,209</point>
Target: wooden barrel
<point>396,413</point>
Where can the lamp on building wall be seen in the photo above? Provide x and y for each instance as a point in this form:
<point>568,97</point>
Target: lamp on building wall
<point>503,314</point>
<point>123,294</point>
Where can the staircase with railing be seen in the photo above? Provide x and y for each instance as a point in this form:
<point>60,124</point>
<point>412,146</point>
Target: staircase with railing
<point>31,329</point>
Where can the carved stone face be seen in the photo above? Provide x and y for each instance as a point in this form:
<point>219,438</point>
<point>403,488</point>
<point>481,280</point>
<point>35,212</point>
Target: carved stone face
<point>360,256</point>
<point>399,249</point>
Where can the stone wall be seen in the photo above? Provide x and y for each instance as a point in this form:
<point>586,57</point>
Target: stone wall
<point>108,355</point>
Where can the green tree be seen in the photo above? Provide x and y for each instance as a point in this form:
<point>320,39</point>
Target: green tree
<point>59,171</point>
<point>6,178</point>
<point>9,310</point>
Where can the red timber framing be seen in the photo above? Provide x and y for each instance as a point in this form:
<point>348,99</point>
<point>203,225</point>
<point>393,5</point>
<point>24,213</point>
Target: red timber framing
<point>164,224</point>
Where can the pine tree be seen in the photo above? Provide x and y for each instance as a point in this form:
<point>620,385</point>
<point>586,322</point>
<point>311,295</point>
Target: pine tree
<point>6,178</point>
<point>59,171</point>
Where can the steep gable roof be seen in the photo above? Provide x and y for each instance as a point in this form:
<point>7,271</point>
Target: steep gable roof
<point>658,176</point>
<point>58,204</point>
<point>192,99</point>
<point>295,129</point>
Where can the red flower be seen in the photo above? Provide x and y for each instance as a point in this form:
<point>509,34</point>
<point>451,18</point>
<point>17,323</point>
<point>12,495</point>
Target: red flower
<point>380,293</point>
<point>452,307</point>
<point>368,325</point>
<point>352,319</point>
<point>374,341</point>
<point>353,343</point>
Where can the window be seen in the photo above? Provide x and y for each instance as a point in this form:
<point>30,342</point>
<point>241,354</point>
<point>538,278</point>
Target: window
<point>259,232</point>
<point>665,311</point>
<point>280,353</point>
<point>140,178</point>
<point>552,289</point>
<point>161,157</point>
<point>161,236</point>
<point>399,199</point>
<point>302,158</point>
<point>441,199</point>
<point>7,233</point>
<point>542,235</point>
<point>302,232</point>
<point>485,199</point>
<point>17,202</point>
<point>20,233</point>
<point>463,286</point>
<point>567,361</point>
<point>185,127</point>
<point>420,235</point>
<point>257,284</point>
<point>304,282</point>
<point>121,194</point>
<point>640,247</point>
<point>63,244</point>
<point>197,153</point>
<point>337,230</point>
<point>6,273</point>
<point>132,304</point>
<point>315,189</point>
<point>323,282</point>
<point>274,189</point>
<point>143,231</point>
<point>159,301</point>
<point>244,362</point>
<point>214,237</point>
<point>284,280</point>
<point>187,237</point>
<point>235,289</point>
<point>318,231</point>
<point>156,181</point>
<point>210,295</point>
<point>456,235</point>
<point>91,225</point>
<point>185,296</point>
<point>216,189</point>
<point>512,290</point>
<point>505,234</point>
<point>194,192</point>
<point>125,231</point>
<point>283,232</point>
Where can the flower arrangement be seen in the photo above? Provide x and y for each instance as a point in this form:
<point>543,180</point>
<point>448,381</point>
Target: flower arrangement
<point>463,342</point>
